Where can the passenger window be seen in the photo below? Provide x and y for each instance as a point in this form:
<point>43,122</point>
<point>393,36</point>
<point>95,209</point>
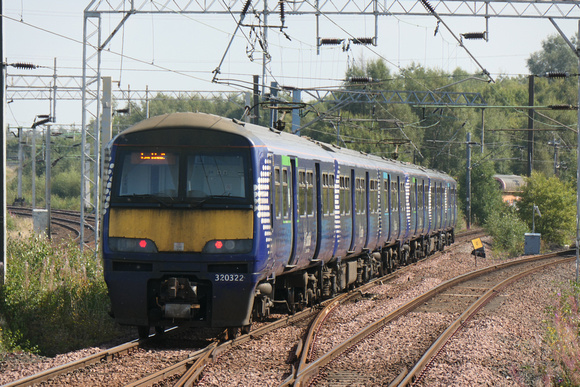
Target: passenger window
<point>278,208</point>
<point>302,193</point>
<point>309,193</point>
<point>285,194</point>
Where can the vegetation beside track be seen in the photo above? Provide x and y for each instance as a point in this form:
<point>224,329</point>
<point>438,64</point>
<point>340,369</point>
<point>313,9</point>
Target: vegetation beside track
<point>54,299</point>
<point>564,334</point>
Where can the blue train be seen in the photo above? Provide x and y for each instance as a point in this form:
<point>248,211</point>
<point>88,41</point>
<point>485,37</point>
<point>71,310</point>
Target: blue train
<point>214,222</point>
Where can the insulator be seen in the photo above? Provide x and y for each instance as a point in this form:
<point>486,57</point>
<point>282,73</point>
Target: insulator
<point>246,7</point>
<point>330,42</point>
<point>360,79</point>
<point>428,6</point>
<point>562,107</point>
<point>24,66</point>
<point>362,40</point>
<point>282,16</point>
<point>556,74</point>
<point>474,35</point>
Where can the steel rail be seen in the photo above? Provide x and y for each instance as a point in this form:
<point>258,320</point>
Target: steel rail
<point>51,373</point>
<point>313,368</point>
<point>417,372</point>
<point>185,367</point>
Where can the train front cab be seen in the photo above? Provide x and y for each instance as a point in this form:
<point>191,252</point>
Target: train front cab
<point>179,228</point>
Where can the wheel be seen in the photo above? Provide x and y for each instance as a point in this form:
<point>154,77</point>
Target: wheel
<point>143,331</point>
<point>159,331</point>
<point>233,333</point>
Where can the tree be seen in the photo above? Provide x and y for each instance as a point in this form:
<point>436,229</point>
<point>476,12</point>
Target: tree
<point>555,55</point>
<point>485,193</point>
<point>556,201</point>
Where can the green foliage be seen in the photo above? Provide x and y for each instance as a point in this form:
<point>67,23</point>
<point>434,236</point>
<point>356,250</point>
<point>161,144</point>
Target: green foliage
<point>563,334</point>
<point>54,298</point>
<point>67,183</point>
<point>485,194</point>
<point>556,201</point>
<point>507,230</point>
<point>555,55</point>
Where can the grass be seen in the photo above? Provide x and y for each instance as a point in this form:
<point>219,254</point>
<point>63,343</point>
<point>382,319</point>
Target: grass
<point>564,335</point>
<point>54,299</point>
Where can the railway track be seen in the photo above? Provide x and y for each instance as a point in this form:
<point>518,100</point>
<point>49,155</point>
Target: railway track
<point>189,366</point>
<point>64,224</point>
<point>460,299</point>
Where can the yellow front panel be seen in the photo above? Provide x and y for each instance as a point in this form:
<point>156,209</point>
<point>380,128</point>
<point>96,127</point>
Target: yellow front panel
<point>191,228</point>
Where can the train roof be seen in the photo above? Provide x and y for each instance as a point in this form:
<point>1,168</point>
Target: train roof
<point>510,183</point>
<point>283,142</point>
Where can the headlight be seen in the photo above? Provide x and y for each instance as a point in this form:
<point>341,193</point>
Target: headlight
<point>228,246</point>
<point>132,245</point>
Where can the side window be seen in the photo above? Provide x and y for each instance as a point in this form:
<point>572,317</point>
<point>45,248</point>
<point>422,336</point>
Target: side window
<point>285,194</point>
<point>277,183</point>
<point>331,193</point>
<point>325,204</point>
<point>385,198</point>
<point>302,193</point>
<point>344,196</point>
<point>394,197</point>
<point>413,196</point>
<point>309,192</point>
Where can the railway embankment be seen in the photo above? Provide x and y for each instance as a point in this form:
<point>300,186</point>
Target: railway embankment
<point>512,341</point>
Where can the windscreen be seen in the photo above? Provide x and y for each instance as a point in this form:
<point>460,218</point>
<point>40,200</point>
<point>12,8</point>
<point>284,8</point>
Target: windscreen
<point>182,176</point>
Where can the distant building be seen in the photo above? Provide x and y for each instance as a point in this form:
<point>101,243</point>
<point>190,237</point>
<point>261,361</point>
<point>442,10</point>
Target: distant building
<point>510,186</point>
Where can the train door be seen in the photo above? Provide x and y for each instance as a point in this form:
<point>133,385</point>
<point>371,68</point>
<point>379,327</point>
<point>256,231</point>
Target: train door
<point>395,206</point>
<point>386,207</point>
<point>360,224</point>
<point>306,223</point>
<point>283,219</point>
<point>373,225</point>
<point>438,205</point>
<point>413,207</point>
<point>345,214</point>
<point>326,208</point>
<point>429,206</point>
<point>421,206</point>
<point>404,198</point>
<point>445,192</point>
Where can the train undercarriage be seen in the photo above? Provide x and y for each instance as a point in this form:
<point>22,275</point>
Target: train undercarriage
<point>298,290</point>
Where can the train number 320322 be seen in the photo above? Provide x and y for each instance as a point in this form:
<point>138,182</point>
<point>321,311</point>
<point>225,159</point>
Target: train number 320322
<point>229,277</point>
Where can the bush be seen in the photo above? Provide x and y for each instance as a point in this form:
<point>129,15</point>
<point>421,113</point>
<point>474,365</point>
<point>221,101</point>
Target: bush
<point>564,335</point>
<point>54,298</point>
<point>557,203</point>
<point>507,230</point>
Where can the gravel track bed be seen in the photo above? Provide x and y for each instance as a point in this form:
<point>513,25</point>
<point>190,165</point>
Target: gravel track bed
<point>502,346</point>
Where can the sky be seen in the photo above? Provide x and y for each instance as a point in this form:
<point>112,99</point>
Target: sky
<point>178,52</point>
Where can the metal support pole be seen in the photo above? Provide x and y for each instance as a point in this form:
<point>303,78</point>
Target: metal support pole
<point>256,107</point>
<point>147,101</point>
<point>274,97</point>
<point>530,125</point>
<point>20,166</point>
<point>482,130</point>
<point>47,180</point>
<point>296,97</point>
<point>265,48</point>
<point>578,169</point>
<point>4,214</point>
<point>33,159</point>
<point>468,181</point>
